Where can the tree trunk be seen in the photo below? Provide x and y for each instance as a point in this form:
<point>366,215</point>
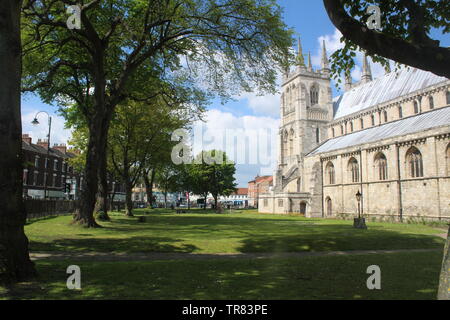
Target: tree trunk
<point>102,199</point>
<point>98,132</point>
<point>149,187</point>
<point>15,264</point>
<point>165,200</point>
<point>444,279</point>
<point>215,203</point>
<point>129,200</point>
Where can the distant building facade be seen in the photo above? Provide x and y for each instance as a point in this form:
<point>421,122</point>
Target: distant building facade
<point>238,199</point>
<point>388,139</point>
<point>48,169</point>
<point>51,172</point>
<point>260,185</point>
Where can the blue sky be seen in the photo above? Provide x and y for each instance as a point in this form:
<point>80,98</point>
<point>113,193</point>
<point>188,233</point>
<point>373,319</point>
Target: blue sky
<point>249,112</point>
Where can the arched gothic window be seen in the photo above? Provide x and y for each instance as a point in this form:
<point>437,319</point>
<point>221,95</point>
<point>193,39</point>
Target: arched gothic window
<point>447,156</point>
<point>448,97</point>
<point>351,126</point>
<point>373,120</point>
<point>400,112</point>
<point>385,116</point>
<point>314,93</point>
<point>330,173</point>
<point>431,102</point>
<point>414,163</point>
<point>353,170</point>
<point>416,107</point>
<point>381,168</point>
<point>317,135</point>
<point>362,123</point>
<point>285,143</point>
<point>291,143</point>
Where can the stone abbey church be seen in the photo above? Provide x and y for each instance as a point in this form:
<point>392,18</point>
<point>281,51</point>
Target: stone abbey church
<point>387,138</point>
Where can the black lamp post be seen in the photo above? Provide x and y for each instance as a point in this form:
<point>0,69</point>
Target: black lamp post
<point>359,223</point>
<point>35,122</point>
<point>358,198</point>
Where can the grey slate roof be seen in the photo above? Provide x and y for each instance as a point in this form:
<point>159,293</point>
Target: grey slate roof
<point>422,122</point>
<point>386,88</point>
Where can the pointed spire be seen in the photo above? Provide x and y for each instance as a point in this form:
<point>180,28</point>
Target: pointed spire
<point>348,80</point>
<point>309,61</point>
<point>367,71</point>
<point>325,62</point>
<point>300,59</point>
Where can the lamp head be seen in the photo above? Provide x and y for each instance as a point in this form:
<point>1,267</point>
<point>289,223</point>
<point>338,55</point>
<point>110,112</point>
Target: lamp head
<point>358,196</point>
<point>35,122</point>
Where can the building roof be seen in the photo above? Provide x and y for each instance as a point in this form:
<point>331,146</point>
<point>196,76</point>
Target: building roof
<point>264,179</point>
<point>429,120</point>
<point>43,151</point>
<point>241,192</point>
<point>386,88</point>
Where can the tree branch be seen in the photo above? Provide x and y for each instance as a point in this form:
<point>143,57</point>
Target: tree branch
<point>422,56</point>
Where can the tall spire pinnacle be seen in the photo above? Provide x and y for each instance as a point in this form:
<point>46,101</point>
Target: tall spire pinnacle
<point>325,62</point>
<point>300,59</point>
<point>309,61</point>
<point>348,80</point>
<point>367,71</point>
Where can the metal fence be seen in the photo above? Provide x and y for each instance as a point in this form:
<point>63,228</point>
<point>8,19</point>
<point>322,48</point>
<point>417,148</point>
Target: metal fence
<point>44,208</point>
<point>36,208</point>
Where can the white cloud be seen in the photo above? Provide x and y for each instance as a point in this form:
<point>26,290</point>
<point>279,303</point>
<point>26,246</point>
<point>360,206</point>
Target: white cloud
<point>59,133</point>
<point>263,105</point>
<point>250,141</point>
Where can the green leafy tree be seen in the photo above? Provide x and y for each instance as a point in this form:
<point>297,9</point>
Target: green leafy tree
<point>404,34</point>
<point>138,131</point>
<point>212,172</point>
<point>404,37</point>
<point>228,46</point>
<point>167,179</point>
<point>15,263</point>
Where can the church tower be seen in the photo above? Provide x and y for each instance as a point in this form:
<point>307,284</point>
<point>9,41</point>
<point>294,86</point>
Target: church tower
<point>306,109</point>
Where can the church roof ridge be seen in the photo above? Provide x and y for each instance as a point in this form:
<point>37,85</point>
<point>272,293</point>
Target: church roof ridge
<point>388,87</point>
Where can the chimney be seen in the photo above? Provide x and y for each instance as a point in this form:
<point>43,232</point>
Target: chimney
<point>61,148</point>
<point>26,138</point>
<point>43,143</point>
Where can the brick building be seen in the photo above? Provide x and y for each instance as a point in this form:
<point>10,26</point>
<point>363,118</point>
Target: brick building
<point>48,168</point>
<point>260,185</point>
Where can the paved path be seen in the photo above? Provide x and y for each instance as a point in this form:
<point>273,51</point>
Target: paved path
<point>111,257</point>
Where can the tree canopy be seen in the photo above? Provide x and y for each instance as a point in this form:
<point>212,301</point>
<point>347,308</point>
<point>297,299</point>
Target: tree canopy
<point>404,35</point>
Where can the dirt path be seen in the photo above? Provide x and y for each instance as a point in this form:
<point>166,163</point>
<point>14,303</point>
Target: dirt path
<point>123,257</point>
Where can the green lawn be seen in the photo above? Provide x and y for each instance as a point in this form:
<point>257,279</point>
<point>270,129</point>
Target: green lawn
<point>240,232</point>
<point>404,276</point>
<point>408,275</point>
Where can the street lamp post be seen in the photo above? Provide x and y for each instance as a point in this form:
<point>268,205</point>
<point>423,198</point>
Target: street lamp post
<point>35,122</point>
<point>359,223</point>
<point>358,198</point>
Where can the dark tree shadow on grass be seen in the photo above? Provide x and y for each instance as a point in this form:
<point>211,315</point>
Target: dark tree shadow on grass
<point>131,244</point>
<point>340,238</point>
